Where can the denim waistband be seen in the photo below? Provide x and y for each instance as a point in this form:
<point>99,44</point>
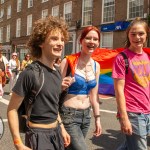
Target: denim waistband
<point>70,109</point>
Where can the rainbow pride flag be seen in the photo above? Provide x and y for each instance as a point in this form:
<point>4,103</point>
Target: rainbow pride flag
<point>105,58</point>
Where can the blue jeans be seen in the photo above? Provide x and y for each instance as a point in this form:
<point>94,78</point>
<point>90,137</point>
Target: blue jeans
<point>76,123</point>
<point>141,128</point>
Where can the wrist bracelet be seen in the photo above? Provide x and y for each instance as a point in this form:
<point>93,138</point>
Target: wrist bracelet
<point>17,141</point>
<point>97,116</point>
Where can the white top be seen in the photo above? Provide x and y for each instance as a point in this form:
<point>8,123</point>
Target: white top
<point>12,65</point>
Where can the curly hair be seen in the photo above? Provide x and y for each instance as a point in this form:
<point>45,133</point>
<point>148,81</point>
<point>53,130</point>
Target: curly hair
<point>41,29</point>
<point>136,21</point>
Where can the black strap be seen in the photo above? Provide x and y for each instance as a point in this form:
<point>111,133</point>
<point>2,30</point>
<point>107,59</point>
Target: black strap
<point>126,61</point>
<point>39,81</point>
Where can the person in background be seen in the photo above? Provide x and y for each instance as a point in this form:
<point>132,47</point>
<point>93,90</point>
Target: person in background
<point>3,69</point>
<point>45,130</point>
<point>82,87</point>
<point>132,88</point>
<point>14,67</point>
<point>27,60</point>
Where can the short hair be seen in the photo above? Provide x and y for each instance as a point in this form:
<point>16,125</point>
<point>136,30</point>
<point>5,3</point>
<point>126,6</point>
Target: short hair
<point>41,29</point>
<point>87,30</point>
<point>136,21</point>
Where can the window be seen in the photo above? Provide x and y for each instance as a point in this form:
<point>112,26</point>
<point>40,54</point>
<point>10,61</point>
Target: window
<point>107,40</point>
<point>9,12</point>
<point>1,35</point>
<point>18,27</point>
<point>135,8</point>
<point>44,13</point>
<point>87,12</point>
<point>68,12</point>
<point>70,45</point>
<point>19,2</point>
<point>44,1</point>
<point>108,10</point>
<point>55,11</point>
<point>8,33</point>
<point>2,1</point>
<point>22,53</point>
<point>30,3</point>
<point>29,24</point>
<point>2,13</point>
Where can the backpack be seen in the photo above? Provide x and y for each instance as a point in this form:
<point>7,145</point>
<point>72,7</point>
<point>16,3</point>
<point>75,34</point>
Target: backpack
<point>125,60</point>
<point>25,108</point>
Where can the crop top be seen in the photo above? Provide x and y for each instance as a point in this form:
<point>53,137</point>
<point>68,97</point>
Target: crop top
<point>81,85</point>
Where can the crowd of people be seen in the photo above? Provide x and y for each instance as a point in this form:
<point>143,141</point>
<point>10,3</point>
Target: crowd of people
<point>60,116</point>
<point>10,69</point>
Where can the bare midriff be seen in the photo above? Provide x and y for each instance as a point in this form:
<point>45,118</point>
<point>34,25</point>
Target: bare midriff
<point>77,101</point>
<point>46,126</point>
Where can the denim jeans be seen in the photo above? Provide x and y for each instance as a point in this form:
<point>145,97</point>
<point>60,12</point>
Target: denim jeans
<point>141,128</point>
<point>76,123</point>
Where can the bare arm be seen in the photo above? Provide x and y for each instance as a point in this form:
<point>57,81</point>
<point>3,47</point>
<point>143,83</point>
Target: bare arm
<point>95,104</point>
<point>65,84</point>
<point>63,67</point>
<point>121,104</point>
<point>12,114</point>
<point>65,135</point>
<point>67,81</point>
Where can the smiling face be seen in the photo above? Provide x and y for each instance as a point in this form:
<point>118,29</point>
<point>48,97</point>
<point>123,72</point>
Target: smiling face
<point>137,37</point>
<point>90,42</point>
<point>14,57</point>
<point>53,45</point>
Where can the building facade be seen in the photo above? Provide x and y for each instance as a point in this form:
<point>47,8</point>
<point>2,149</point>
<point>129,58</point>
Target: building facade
<point>111,17</point>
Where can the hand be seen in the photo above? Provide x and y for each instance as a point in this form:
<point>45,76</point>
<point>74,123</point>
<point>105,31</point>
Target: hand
<point>66,136</point>
<point>66,82</point>
<point>98,128</point>
<point>126,127</point>
<point>22,147</point>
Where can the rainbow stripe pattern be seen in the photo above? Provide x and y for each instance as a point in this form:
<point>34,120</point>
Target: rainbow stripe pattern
<point>105,58</point>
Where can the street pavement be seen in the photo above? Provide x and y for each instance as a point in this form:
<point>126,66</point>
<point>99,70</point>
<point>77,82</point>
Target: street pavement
<point>110,139</point>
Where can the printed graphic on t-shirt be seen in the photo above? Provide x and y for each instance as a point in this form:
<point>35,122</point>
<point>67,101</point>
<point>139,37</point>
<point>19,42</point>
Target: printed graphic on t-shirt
<point>141,72</point>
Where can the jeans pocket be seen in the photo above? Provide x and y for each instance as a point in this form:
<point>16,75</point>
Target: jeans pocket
<point>67,118</point>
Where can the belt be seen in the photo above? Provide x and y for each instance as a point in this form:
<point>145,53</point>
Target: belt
<point>46,126</point>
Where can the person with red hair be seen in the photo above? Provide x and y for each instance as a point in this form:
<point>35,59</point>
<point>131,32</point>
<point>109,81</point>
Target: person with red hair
<point>82,86</point>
